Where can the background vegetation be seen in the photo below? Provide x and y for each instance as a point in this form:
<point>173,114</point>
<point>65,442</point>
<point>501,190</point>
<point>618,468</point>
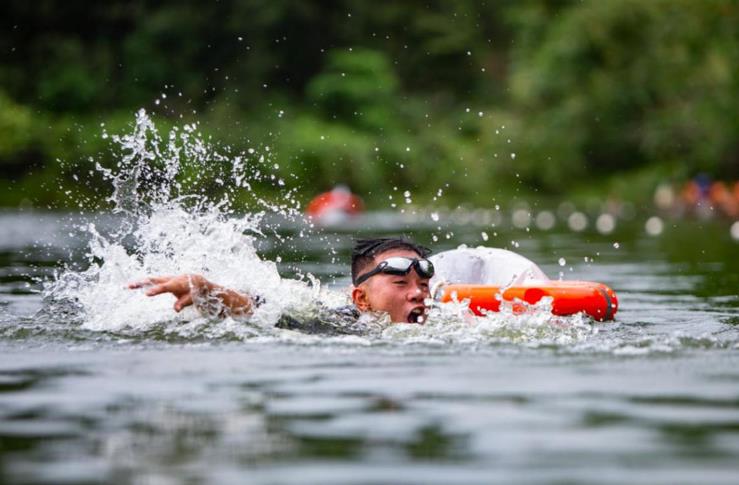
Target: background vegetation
<point>482,99</point>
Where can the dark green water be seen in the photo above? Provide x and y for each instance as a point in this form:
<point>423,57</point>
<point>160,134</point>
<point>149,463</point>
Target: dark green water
<point>650,398</point>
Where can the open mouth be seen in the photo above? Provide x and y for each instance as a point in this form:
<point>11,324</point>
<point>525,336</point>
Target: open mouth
<point>417,315</point>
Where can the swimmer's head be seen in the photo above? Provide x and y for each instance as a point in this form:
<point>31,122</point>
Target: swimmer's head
<point>400,293</point>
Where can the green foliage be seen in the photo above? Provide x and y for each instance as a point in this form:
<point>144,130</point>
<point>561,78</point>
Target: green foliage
<point>610,86</point>
<point>321,153</point>
<point>357,88</point>
<point>588,96</point>
<point>67,81</point>
<point>16,129</point>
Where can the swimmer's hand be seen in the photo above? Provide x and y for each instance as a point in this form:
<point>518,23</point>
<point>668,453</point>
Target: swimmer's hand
<point>209,298</point>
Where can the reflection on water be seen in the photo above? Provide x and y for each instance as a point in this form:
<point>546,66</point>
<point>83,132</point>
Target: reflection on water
<point>650,398</point>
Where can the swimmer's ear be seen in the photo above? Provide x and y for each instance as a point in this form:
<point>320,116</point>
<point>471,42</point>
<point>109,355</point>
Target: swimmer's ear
<point>360,299</point>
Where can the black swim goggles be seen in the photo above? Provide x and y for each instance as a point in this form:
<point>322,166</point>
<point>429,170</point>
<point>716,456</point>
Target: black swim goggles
<point>399,266</point>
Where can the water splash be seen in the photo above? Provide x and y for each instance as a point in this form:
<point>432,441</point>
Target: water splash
<point>169,222</point>
<point>516,323</point>
<point>173,199</point>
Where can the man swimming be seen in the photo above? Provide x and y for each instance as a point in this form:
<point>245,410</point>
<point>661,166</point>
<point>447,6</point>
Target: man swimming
<point>389,275</point>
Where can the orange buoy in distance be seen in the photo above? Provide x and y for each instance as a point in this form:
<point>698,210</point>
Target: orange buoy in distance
<point>335,205</point>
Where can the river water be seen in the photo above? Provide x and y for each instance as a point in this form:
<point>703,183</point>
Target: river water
<point>650,398</point>
<point>99,384</point>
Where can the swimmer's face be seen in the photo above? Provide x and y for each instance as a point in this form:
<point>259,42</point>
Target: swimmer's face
<point>400,296</point>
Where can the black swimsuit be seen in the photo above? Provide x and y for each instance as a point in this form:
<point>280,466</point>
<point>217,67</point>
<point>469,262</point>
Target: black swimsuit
<point>325,321</point>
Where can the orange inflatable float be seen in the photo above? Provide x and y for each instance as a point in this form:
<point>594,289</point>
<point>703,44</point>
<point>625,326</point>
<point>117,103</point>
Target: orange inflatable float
<point>568,297</point>
<point>337,204</point>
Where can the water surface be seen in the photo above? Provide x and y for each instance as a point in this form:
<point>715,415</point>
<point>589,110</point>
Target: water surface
<point>650,398</point>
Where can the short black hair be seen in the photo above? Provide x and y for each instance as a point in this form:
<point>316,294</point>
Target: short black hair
<point>365,250</point>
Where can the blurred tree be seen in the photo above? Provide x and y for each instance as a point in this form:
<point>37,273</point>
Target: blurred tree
<point>16,135</point>
<point>571,90</point>
<point>358,88</point>
<point>602,87</point>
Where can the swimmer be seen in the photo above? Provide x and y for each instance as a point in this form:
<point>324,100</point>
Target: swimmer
<point>389,275</point>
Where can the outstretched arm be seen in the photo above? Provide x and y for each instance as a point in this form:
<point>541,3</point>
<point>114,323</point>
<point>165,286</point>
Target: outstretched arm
<point>208,297</point>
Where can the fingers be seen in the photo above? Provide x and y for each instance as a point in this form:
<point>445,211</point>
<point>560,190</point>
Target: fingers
<point>154,285</point>
<point>181,286</point>
<point>177,285</point>
<point>158,290</point>
<point>182,302</point>
<point>153,280</point>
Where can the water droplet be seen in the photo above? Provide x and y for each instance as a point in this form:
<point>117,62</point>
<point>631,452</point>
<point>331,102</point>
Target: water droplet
<point>616,245</point>
<point>562,261</point>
